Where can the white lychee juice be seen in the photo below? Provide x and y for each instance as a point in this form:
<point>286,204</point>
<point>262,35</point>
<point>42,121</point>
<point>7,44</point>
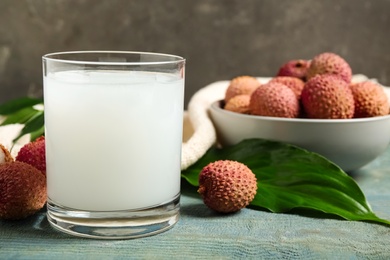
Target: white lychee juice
<point>113,139</point>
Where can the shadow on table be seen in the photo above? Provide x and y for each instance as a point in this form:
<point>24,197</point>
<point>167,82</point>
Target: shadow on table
<point>200,210</point>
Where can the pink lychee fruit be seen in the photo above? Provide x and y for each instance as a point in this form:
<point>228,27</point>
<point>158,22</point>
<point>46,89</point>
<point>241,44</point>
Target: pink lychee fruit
<point>241,85</point>
<point>33,153</point>
<point>370,99</point>
<point>327,97</point>
<point>294,83</point>
<point>294,68</point>
<point>22,190</point>
<point>329,63</point>
<point>238,104</point>
<point>275,100</point>
<point>227,186</point>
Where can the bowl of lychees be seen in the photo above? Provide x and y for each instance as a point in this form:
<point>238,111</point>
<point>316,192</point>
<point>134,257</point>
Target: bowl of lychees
<point>316,104</point>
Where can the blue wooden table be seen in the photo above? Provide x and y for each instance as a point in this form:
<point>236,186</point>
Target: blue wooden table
<point>202,234</point>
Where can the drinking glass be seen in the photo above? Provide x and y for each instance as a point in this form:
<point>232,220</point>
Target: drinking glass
<point>113,131</point>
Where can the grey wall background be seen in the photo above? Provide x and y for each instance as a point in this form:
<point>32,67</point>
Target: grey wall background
<point>219,39</point>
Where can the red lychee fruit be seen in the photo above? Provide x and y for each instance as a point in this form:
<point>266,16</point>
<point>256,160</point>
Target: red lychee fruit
<point>295,84</point>
<point>294,68</point>
<point>5,155</point>
<point>238,104</point>
<point>22,190</point>
<point>370,99</point>
<point>275,100</point>
<point>227,186</point>
<point>329,63</point>
<point>33,153</point>
<point>241,85</point>
<point>327,97</point>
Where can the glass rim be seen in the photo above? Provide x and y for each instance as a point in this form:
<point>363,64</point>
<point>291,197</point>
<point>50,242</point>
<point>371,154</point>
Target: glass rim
<point>52,57</point>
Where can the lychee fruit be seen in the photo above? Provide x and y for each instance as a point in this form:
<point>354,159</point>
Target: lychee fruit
<point>275,100</point>
<point>238,104</point>
<point>327,97</point>
<point>5,155</point>
<point>329,63</point>
<point>227,186</point>
<point>22,190</point>
<point>241,85</point>
<point>294,83</point>
<point>294,68</point>
<point>370,99</point>
<point>33,153</point>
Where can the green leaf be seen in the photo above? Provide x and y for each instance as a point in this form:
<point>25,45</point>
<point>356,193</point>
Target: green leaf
<point>20,117</point>
<point>38,133</point>
<point>34,126</point>
<point>290,177</point>
<point>22,111</point>
<point>18,104</point>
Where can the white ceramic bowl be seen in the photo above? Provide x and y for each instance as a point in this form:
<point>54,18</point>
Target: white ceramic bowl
<point>350,143</point>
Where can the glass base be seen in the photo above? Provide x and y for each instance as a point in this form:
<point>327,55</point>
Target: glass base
<point>114,224</point>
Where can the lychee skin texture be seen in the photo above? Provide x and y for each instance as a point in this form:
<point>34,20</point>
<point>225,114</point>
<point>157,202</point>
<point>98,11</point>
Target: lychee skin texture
<point>294,68</point>
<point>22,190</point>
<point>238,104</point>
<point>370,99</point>
<point>227,186</point>
<point>5,155</point>
<point>275,100</point>
<point>329,63</point>
<point>33,153</point>
<point>294,83</point>
<point>327,97</point>
<point>241,85</point>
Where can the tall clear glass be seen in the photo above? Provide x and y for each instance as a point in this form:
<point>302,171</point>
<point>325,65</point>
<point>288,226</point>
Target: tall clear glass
<point>113,130</point>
